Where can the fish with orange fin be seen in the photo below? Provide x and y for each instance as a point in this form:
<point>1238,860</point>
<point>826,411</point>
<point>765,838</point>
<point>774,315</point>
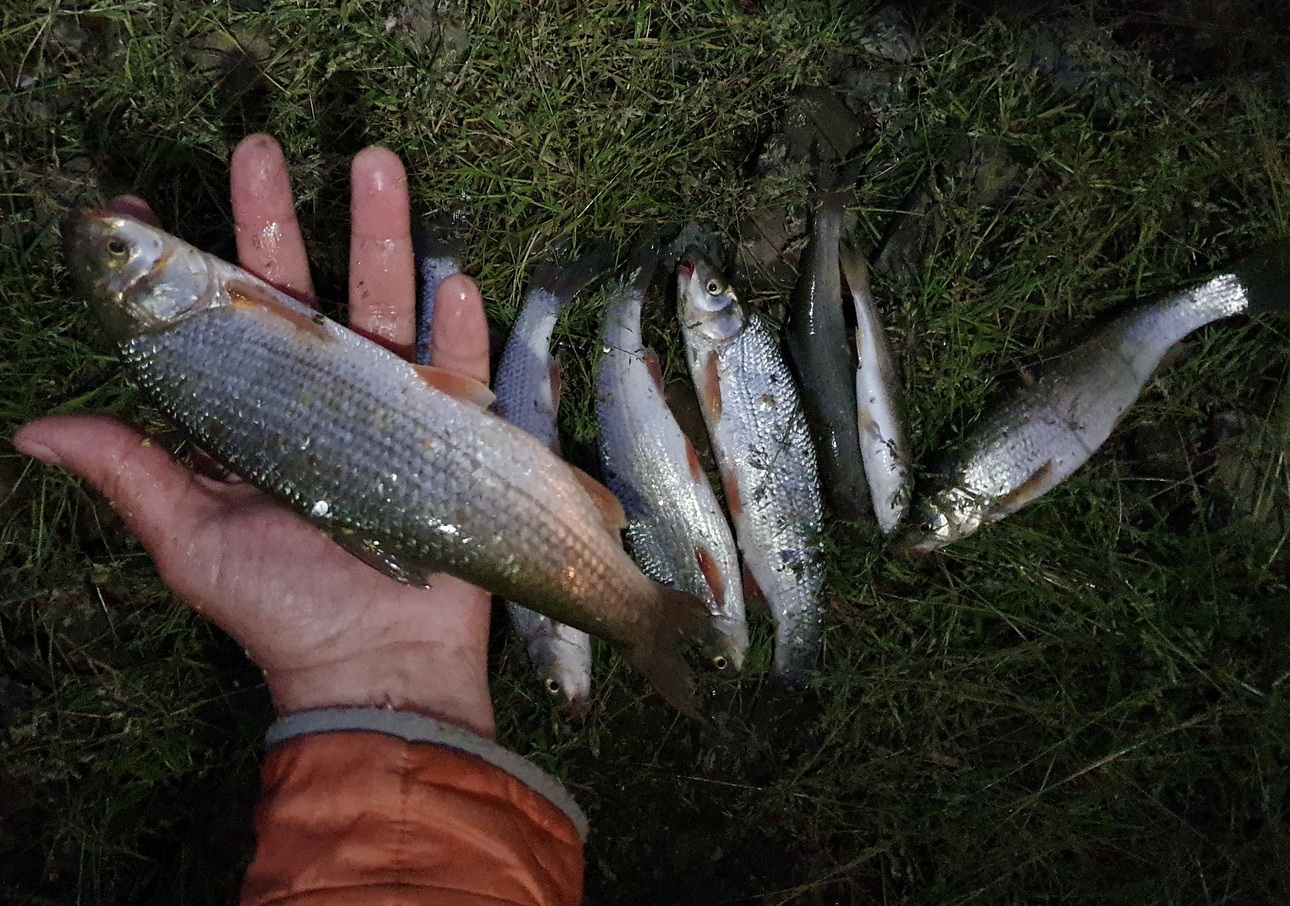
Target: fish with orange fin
<point>1038,438</point>
<point>527,385</point>
<point>409,477</point>
<point>676,530</point>
<point>754,416</point>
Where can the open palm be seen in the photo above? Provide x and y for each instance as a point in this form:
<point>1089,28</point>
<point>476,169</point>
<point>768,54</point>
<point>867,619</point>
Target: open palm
<point>326,628</point>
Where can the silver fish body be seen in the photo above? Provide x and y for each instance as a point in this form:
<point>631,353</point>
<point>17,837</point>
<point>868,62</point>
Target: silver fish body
<point>676,529</point>
<point>527,385</point>
<point>560,654</point>
<point>357,441</point>
<point>436,260</point>
<point>1051,427</point>
<point>816,338</point>
<point>880,421</point>
<point>765,455</point>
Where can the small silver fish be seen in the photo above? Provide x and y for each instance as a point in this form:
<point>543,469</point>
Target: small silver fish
<point>881,425</point>
<point>437,260</point>
<point>1052,426</point>
<point>676,530</point>
<point>817,343</point>
<point>394,462</point>
<point>765,455</point>
<point>527,385</point>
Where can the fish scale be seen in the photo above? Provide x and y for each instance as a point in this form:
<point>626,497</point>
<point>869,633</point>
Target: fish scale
<point>675,528</point>
<point>406,475</point>
<point>383,425</point>
<point>527,388</point>
<point>766,457</point>
<point>1028,446</point>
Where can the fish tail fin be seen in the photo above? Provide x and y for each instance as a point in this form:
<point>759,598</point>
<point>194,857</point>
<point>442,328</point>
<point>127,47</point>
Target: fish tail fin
<point>564,281</point>
<point>1265,275</point>
<point>678,617</point>
<point>855,271</point>
<point>639,272</point>
<point>437,236</point>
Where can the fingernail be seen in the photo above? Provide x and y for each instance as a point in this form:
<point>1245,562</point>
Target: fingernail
<point>37,451</point>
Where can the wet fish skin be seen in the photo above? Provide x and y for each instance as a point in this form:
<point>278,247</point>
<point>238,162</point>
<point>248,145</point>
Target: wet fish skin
<point>878,401</point>
<point>437,259</point>
<point>560,654</point>
<point>765,455</point>
<point>354,439</point>
<point>1034,442</point>
<point>527,385</point>
<point>821,355</point>
<point>676,529</point>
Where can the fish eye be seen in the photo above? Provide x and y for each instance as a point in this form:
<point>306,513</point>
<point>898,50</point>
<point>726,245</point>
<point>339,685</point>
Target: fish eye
<point>720,662</point>
<point>116,248</point>
<point>552,685</point>
<point>713,287</point>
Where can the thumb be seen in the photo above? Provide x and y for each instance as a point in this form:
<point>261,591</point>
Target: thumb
<point>158,498</point>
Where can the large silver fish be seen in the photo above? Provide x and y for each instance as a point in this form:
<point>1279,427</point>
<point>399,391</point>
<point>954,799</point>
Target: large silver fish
<point>675,527</point>
<point>881,424</point>
<point>527,385</point>
<point>816,338</point>
<point>1052,426</point>
<point>409,476</point>
<point>765,455</point>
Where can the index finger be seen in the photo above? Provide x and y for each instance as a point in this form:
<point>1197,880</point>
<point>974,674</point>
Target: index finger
<point>269,243</point>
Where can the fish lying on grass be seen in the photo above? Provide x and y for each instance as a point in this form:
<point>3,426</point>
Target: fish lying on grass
<point>1052,426</point>
<point>436,257</point>
<point>881,426</point>
<point>816,338</point>
<point>765,455</point>
<point>527,385</point>
<point>675,527</point>
<point>377,453</point>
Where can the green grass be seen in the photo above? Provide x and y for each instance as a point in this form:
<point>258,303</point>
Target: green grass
<point>1084,703</point>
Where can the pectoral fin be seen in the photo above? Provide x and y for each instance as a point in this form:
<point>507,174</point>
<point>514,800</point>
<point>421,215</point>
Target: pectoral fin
<point>1034,487</point>
<point>456,385</point>
<point>606,504</point>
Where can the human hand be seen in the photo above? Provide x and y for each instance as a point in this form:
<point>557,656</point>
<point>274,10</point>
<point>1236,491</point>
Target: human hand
<point>326,629</point>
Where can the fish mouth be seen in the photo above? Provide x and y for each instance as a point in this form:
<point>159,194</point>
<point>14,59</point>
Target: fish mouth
<point>920,547</point>
<point>576,708</point>
<point>685,269</point>
<point>74,227</point>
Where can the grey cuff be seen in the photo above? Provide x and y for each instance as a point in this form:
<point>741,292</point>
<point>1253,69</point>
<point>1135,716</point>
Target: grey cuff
<point>414,727</point>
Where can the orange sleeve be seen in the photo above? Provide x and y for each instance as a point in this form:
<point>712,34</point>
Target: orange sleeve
<point>358,818</point>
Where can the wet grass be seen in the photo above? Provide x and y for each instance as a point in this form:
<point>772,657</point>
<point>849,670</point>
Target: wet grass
<point>1085,703</point>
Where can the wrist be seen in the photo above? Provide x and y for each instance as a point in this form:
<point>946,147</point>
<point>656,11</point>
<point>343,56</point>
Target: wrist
<point>427,664</point>
<point>403,678</point>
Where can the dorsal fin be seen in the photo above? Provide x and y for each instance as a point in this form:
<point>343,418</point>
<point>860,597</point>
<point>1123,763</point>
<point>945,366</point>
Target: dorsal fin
<point>1040,481</point>
<point>692,460</point>
<point>711,574</point>
<point>655,369</point>
<point>734,501</point>
<point>457,385</point>
<point>249,295</point>
<point>708,384</point>
<point>603,499</point>
<point>753,595</point>
<point>553,376</point>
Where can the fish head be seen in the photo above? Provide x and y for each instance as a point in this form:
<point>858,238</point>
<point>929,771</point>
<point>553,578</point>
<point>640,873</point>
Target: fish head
<point>947,516</point>
<point>725,646</point>
<point>708,304</point>
<point>136,276</point>
<point>564,667</point>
